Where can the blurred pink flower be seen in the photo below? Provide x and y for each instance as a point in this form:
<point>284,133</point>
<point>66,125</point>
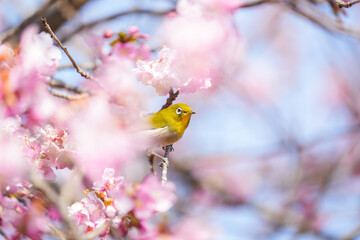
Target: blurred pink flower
<point>23,73</point>
<point>167,72</point>
<point>194,228</point>
<point>101,138</point>
<point>111,199</point>
<point>20,216</point>
<point>38,54</point>
<point>153,197</point>
<point>206,49</point>
<point>221,5</point>
<point>106,201</point>
<point>13,164</point>
<point>108,33</point>
<point>145,231</point>
<point>132,52</point>
<point>108,181</point>
<point>114,76</point>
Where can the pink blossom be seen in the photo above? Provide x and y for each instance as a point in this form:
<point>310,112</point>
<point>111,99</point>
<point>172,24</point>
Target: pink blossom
<point>48,149</point>
<point>12,160</point>
<point>23,74</point>
<point>101,138</point>
<point>88,213</point>
<point>145,231</point>
<point>111,199</point>
<point>132,52</point>
<point>116,78</point>
<point>105,202</point>
<point>108,33</point>
<point>227,6</point>
<point>207,50</point>
<point>166,73</point>
<point>38,52</point>
<point>194,228</point>
<point>19,216</point>
<point>153,197</point>
<point>108,181</point>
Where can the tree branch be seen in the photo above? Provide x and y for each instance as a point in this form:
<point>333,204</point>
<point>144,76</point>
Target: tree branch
<point>353,234</point>
<point>172,96</point>
<point>112,17</point>
<point>341,3</point>
<point>256,3</point>
<point>16,30</point>
<point>78,69</point>
<point>309,12</point>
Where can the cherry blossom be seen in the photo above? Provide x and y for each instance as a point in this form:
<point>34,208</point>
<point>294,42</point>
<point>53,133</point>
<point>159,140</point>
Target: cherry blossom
<point>153,197</point>
<point>166,73</point>
<point>48,149</point>
<point>126,206</point>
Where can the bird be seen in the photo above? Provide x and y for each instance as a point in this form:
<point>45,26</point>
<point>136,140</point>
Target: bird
<point>162,129</point>
<point>168,125</point>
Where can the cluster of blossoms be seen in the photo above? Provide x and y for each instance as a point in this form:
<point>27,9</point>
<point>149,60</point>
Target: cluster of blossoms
<point>24,214</point>
<point>202,47</point>
<point>124,206</point>
<point>165,73</point>
<point>97,136</point>
<point>23,73</point>
<point>45,149</point>
<point>48,149</point>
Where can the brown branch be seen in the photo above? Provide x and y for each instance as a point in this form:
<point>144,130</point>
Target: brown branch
<point>320,19</point>
<point>341,3</point>
<point>70,97</point>
<point>78,69</point>
<point>112,17</point>
<point>66,91</point>
<point>54,83</point>
<point>53,197</point>
<point>172,96</point>
<point>87,65</point>
<point>16,30</point>
<point>256,3</point>
<point>353,234</point>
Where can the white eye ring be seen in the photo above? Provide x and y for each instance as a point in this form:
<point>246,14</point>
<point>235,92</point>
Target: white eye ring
<point>178,111</point>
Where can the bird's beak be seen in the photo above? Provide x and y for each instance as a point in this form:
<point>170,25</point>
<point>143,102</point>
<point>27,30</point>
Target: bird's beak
<point>192,112</point>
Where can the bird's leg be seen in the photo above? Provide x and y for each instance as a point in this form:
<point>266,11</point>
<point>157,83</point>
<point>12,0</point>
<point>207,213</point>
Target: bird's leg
<point>164,164</point>
<point>168,146</point>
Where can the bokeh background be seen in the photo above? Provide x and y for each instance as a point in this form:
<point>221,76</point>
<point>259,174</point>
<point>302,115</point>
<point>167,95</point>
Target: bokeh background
<point>273,151</point>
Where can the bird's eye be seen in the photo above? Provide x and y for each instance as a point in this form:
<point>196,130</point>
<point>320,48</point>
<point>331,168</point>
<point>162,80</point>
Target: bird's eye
<point>179,111</point>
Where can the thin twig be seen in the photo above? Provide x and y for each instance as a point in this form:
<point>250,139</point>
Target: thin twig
<point>256,3</point>
<point>98,231</point>
<point>353,234</point>
<point>320,19</point>
<point>54,198</point>
<point>70,97</point>
<point>57,231</point>
<point>16,30</point>
<point>172,96</point>
<point>55,83</point>
<point>112,17</point>
<point>341,3</point>
<point>87,65</point>
<point>78,69</point>
<point>3,234</point>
